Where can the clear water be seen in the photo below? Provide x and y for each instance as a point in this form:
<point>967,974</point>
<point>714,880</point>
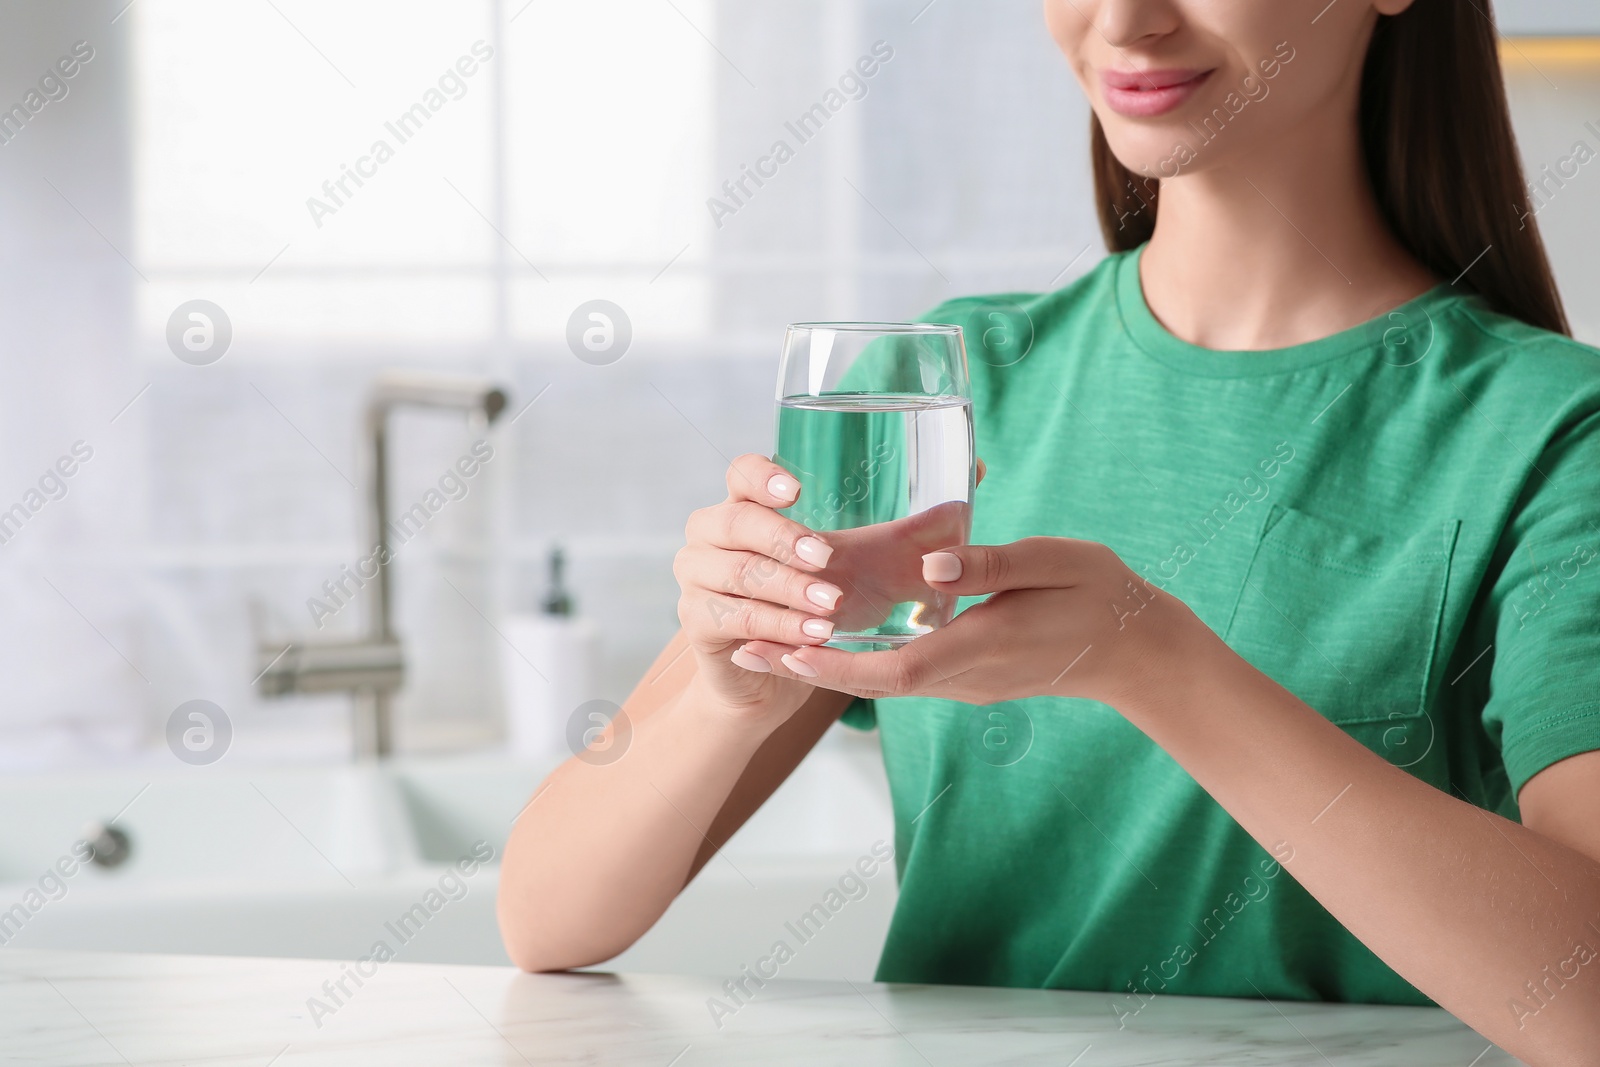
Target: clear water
<point>887,477</point>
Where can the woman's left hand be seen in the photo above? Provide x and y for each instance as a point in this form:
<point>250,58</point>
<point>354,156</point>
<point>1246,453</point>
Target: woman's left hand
<point>1065,618</point>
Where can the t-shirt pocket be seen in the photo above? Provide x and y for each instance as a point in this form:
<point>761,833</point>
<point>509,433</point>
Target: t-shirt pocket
<point>1348,620</point>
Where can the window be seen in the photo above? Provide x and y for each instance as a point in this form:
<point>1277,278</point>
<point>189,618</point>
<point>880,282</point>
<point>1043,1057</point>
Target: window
<point>421,172</point>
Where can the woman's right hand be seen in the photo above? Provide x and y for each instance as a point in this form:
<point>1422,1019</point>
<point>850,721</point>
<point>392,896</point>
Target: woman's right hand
<point>749,574</point>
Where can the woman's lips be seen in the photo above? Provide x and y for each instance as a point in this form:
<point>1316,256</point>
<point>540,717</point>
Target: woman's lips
<point>1144,93</point>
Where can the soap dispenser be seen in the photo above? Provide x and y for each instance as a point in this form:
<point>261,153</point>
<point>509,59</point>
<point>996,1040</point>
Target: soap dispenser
<point>549,671</point>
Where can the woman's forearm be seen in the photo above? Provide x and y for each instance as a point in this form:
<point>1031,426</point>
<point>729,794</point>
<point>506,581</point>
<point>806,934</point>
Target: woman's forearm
<point>601,850</point>
<point>605,845</point>
<point>1467,906</point>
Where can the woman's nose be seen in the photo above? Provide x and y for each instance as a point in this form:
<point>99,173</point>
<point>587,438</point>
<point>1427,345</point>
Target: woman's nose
<point>1126,23</point>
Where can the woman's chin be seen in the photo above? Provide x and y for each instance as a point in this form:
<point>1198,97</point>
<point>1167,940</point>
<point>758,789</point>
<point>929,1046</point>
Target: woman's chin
<point>1145,149</point>
<point>1173,147</point>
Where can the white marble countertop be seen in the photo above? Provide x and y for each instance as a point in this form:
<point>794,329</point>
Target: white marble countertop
<point>105,1008</point>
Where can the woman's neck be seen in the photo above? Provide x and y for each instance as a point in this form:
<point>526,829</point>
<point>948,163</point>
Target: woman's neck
<point>1286,250</point>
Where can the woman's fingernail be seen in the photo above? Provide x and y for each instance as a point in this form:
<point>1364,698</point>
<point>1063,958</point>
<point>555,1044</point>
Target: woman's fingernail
<point>941,567</point>
<point>823,595</point>
<point>813,550</point>
<point>782,486</point>
<point>800,667</point>
<point>817,628</point>
<point>750,661</point>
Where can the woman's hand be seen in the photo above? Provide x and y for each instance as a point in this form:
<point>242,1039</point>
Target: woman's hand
<point>749,574</point>
<point>880,566</point>
<point>1065,618</point>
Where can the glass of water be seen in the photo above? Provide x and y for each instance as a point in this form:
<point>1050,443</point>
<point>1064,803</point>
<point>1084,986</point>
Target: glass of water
<point>875,422</point>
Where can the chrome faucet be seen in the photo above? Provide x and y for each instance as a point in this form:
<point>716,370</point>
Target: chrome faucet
<point>372,668</point>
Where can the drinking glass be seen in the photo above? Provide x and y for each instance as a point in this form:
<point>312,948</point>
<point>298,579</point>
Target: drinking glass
<point>875,422</point>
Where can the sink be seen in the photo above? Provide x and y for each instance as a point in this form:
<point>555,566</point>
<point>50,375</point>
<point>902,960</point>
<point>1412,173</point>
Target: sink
<point>322,861</point>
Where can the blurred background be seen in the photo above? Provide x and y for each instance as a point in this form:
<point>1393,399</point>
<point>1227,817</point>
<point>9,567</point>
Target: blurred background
<point>537,156</point>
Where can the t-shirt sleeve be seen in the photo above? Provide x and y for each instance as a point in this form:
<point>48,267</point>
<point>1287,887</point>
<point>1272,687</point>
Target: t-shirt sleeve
<point>1544,605</point>
<point>862,714</point>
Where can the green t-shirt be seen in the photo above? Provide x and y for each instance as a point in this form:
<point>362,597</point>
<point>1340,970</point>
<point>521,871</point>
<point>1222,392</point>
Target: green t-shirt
<point>1398,523</point>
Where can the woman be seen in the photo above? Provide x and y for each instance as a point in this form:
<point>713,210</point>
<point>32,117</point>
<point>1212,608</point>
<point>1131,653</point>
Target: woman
<point>1288,544</point>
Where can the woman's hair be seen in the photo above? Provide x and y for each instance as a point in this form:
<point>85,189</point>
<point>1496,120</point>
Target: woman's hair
<point>1433,105</point>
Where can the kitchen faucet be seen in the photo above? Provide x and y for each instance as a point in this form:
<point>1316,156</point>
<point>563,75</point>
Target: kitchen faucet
<point>372,667</point>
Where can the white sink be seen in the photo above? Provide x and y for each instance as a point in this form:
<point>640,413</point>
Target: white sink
<point>324,861</point>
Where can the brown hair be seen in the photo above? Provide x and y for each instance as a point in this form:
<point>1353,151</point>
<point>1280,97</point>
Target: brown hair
<point>1432,102</point>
